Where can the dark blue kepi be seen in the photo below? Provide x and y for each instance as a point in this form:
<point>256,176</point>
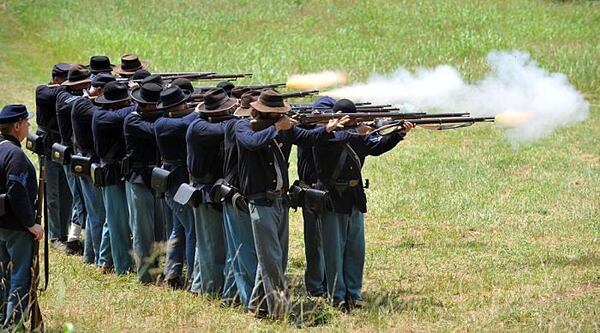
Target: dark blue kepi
<point>12,113</point>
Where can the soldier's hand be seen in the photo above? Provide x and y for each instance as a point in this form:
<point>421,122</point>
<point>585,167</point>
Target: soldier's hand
<point>363,129</point>
<point>407,126</point>
<point>335,123</point>
<point>37,230</point>
<point>285,123</point>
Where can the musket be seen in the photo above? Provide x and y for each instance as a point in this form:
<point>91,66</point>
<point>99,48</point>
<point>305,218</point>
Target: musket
<point>439,123</point>
<point>36,319</point>
<point>309,107</point>
<point>296,94</point>
<point>200,89</point>
<point>314,118</point>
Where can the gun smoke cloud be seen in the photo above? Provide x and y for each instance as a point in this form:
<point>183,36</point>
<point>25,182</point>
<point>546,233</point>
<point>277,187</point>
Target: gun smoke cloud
<point>528,101</point>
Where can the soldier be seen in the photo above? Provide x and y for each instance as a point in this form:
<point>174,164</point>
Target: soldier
<point>58,195</point>
<point>170,136</point>
<point>241,253</point>
<point>264,181</point>
<point>82,113</point>
<point>18,227</point>
<point>205,162</point>
<point>338,164</point>
<point>109,146</point>
<point>130,63</point>
<point>77,82</point>
<point>314,274</point>
<point>142,156</point>
<point>227,86</point>
<point>100,64</point>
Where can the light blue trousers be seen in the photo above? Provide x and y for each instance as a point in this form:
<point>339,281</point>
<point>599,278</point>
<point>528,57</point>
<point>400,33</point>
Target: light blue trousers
<point>182,241</point>
<point>344,251</point>
<point>16,253</point>
<point>117,220</point>
<point>96,223</point>
<point>142,219</point>
<point>270,227</point>
<point>59,199</point>
<point>241,253</point>
<point>79,214</point>
<point>209,265</point>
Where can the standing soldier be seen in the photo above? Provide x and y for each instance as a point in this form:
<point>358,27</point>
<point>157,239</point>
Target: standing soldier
<point>130,63</point>
<point>264,181</point>
<point>81,118</point>
<point>314,275</point>
<point>142,156</point>
<point>338,164</point>
<point>100,64</point>
<point>78,80</point>
<point>58,195</point>
<point>109,146</point>
<point>205,163</point>
<point>170,137</point>
<point>18,227</point>
<point>241,253</point>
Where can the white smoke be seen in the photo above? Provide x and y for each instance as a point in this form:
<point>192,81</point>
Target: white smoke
<point>515,84</point>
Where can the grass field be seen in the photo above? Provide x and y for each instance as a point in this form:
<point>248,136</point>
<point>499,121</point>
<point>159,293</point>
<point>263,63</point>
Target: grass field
<point>464,232</point>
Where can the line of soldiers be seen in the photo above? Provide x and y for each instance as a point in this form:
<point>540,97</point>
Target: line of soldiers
<point>134,167</point>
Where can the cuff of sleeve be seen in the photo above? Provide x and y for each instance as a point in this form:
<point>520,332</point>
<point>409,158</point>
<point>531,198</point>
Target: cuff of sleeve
<point>29,223</point>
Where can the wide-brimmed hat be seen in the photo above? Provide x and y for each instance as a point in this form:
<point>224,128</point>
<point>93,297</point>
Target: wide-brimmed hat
<point>172,96</point>
<point>237,92</point>
<point>113,92</point>
<point>13,113</point>
<point>245,108</point>
<point>102,79</point>
<point>344,106</point>
<point>271,101</point>
<point>78,74</point>
<point>130,63</point>
<point>153,78</point>
<point>184,84</point>
<point>100,64</point>
<point>216,100</point>
<point>227,86</point>
<point>148,93</point>
<point>140,74</point>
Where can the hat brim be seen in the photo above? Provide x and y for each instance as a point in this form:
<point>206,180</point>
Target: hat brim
<point>102,100</point>
<point>185,98</point>
<point>120,70</point>
<point>136,96</point>
<point>243,112</point>
<point>223,107</point>
<point>271,109</point>
<point>74,83</point>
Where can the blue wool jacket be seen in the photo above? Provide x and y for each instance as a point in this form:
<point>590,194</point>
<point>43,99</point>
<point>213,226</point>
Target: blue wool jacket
<point>258,152</point>
<point>18,182</point>
<point>358,147</point>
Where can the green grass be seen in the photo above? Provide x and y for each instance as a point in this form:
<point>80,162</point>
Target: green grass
<point>464,232</point>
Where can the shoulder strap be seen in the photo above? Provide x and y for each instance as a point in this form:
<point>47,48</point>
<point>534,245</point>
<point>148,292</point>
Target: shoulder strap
<point>339,166</point>
<point>353,155</point>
